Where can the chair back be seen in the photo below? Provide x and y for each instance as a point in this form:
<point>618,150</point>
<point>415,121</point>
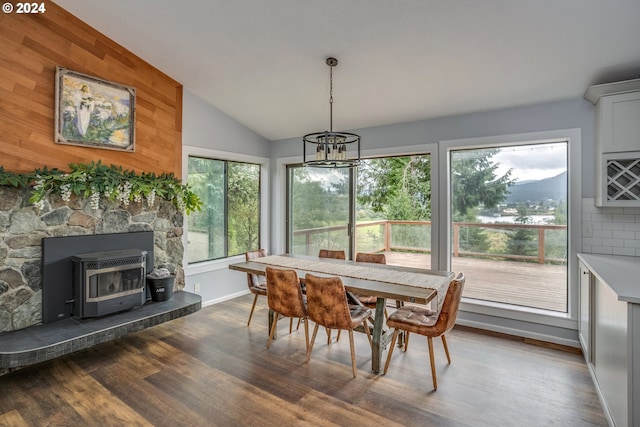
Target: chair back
<point>284,294</point>
<point>252,279</point>
<point>449,312</point>
<point>372,258</point>
<point>327,302</point>
<point>326,253</point>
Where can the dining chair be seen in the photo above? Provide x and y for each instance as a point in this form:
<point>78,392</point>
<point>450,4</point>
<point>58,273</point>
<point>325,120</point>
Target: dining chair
<point>257,284</point>
<point>327,306</point>
<point>426,322</point>
<point>327,253</point>
<point>284,296</point>
<point>366,300</point>
<point>333,254</point>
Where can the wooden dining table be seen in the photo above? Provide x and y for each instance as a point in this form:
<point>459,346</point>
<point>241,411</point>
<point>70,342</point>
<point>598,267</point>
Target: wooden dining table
<point>379,280</point>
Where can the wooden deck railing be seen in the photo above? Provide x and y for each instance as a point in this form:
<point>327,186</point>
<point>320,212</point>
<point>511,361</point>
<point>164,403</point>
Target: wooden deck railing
<point>310,235</point>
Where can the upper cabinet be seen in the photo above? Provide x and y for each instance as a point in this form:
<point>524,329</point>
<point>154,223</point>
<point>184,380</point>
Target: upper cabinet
<point>618,142</point>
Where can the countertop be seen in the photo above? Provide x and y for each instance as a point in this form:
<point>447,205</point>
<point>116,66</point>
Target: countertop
<point>621,273</point>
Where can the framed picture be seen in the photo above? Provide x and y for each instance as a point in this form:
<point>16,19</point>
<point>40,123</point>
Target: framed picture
<point>93,112</point>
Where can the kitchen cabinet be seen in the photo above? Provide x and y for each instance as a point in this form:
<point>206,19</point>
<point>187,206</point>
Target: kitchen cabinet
<point>618,142</point>
<point>609,330</point>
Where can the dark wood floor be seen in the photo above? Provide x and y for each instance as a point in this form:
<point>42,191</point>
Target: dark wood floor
<point>209,369</point>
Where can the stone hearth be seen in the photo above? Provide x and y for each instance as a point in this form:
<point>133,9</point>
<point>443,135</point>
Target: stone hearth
<point>44,342</point>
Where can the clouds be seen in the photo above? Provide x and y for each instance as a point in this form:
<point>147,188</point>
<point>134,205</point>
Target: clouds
<point>533,162</point>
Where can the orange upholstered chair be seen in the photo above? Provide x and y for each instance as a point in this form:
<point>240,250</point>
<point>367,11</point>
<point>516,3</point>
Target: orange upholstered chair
<point>257,284</point>
<point>326,253</point>
<point>423,321</point>
<point>369,301</point>
<point>284,296</point>
<point>327,306</point>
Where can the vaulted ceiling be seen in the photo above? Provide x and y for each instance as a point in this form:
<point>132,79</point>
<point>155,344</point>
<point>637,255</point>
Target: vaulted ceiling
<point>262,62</point>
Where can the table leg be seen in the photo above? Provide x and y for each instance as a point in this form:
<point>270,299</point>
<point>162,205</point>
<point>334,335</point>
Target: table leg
<point>377,346</point>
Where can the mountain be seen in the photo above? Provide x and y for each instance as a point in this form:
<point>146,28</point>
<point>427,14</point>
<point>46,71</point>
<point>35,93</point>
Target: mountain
<point>534,191</point>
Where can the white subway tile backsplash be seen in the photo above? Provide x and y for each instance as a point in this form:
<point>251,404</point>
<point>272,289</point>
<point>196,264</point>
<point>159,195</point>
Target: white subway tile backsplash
<point>603,234</point>
<point>624,218</point>
<point>624,251</point>
<point>605,250</point>
<point>616,231</point>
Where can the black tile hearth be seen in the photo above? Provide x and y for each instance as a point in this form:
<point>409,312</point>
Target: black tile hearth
<point>44,342</point>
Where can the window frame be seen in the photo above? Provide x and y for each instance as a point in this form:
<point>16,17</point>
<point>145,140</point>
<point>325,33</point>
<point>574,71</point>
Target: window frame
<point>574,171</point>
<point>264,205</point>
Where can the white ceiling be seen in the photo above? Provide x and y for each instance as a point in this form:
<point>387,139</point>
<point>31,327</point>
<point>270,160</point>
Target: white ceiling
<point>262,62</point>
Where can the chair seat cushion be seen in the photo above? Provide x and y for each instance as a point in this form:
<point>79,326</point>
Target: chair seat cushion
<point>358,314</point>
<point>260,288</point>
<point>367,300</point>
<point>413,318</point>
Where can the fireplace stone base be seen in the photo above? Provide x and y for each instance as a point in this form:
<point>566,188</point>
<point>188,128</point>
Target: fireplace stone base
<point>45,342</point>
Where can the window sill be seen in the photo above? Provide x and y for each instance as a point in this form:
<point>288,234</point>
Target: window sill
<point>208,266</point>
<point>525,314</point>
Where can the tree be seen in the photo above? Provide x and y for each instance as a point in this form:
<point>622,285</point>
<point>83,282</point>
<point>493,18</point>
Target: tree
<point>519,242</point>
<point>243,189</point>
<point>474,181</point>
<point>398,187</point>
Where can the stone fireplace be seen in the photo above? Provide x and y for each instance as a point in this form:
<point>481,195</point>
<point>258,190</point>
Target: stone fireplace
<point>94,275</point>
<point>23,228</point>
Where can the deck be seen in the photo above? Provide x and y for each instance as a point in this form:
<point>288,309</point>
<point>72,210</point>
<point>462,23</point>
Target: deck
<point>535,285</point>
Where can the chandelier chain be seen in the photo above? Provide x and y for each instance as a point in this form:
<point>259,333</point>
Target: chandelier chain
<point>330,98</point>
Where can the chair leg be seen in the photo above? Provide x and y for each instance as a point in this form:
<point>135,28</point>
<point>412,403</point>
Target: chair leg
<point>353,353</point>
<point>290,325</point>
<point>338,337</point>
<point>365,325</point>
<point>253,306</point>
<point>299,320</point>
<point>393,344</point>
<point>446,348</point>
<point>433,363</point>
<point>306,334</point>
<point>406,340</point>
<point>328,335</point>
<point>313,339</point>
<point>274,324</point>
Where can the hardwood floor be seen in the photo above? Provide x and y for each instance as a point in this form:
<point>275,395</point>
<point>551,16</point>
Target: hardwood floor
<point>210,369</point>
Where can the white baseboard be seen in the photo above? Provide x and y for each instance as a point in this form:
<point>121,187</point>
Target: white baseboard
<point>519,333</point>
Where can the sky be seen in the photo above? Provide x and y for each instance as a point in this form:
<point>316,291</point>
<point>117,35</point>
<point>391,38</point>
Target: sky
<point>533,162</point>
<point>529,162</point>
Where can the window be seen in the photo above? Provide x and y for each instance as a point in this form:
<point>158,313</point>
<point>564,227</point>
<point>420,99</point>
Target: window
<point>319,211</point>
<point>509,221</point>
<point>229,222</point>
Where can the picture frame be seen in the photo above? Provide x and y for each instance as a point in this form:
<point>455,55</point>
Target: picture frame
<point>93,112</point>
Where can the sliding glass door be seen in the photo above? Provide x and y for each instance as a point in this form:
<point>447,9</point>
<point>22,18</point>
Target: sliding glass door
<point>319,209</point>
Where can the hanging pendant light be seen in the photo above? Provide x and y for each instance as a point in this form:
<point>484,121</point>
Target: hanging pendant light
<point>331,149</point>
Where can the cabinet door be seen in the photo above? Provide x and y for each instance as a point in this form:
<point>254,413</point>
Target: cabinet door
<point>610,351</point>
<point>619,122</point>
<point>585,333</point>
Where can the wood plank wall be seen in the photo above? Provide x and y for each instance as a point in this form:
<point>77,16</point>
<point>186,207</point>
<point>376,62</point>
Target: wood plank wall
<point>31,46</point>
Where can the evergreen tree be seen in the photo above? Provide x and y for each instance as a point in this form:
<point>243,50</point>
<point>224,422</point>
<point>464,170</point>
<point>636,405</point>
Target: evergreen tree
<point>521,240</point>
<point>474,181</point>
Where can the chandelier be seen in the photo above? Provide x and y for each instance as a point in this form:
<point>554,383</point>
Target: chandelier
<point>331,149</point>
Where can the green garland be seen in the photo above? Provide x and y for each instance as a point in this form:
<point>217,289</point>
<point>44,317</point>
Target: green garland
<point>95,180</point>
